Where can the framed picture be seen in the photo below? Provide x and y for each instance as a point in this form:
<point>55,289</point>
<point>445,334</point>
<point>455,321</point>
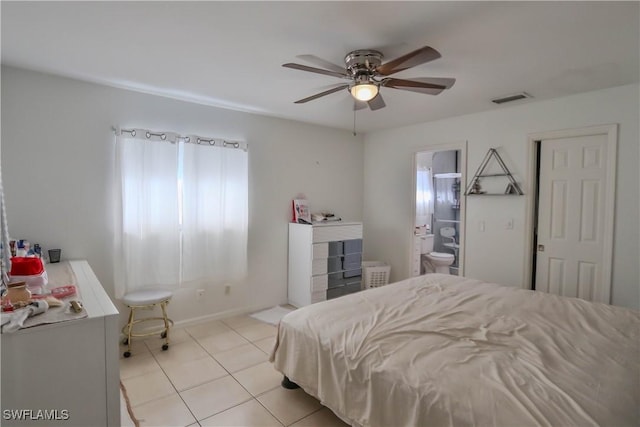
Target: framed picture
<point>301,213</point>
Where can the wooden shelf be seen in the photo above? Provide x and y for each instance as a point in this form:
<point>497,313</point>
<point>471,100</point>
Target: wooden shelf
<point>513,189</point>
<point>493,194</point>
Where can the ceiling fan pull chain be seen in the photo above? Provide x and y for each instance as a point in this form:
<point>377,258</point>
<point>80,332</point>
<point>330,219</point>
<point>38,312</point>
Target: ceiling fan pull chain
<point>354,122</point>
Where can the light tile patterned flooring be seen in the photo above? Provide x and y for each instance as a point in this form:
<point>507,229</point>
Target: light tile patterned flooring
<point>216,374</point>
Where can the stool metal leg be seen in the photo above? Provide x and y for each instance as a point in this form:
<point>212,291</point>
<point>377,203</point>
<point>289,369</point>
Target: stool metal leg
<point>129,329</point>
<point>163,305</point>
<point>129,333</point>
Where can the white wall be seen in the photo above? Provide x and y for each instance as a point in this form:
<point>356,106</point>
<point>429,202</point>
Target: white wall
<point>498,255</point>
<point>58,166</point>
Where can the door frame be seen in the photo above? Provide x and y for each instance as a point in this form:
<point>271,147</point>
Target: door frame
<point>533,141</point>
<point>462,146</point>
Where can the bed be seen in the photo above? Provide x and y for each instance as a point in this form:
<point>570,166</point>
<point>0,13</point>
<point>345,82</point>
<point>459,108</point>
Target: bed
<point>441,350</point>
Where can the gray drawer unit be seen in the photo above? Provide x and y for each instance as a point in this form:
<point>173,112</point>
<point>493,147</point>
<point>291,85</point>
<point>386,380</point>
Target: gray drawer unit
<point>344,290</point>
<point>325,261</point>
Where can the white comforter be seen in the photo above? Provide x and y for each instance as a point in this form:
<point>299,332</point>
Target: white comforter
<point>440,350</point>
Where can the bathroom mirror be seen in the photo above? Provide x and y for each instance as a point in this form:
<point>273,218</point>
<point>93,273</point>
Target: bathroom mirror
<point>437,232</point>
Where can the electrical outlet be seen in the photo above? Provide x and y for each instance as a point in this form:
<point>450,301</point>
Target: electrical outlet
<point>200,293</point>
<point>227,290</point>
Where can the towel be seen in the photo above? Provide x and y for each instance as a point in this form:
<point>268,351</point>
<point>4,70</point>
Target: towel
<point>12,321</point>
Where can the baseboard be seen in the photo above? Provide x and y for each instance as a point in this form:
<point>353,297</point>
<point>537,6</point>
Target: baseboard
<point>202,319</point>
<point>219,315</point>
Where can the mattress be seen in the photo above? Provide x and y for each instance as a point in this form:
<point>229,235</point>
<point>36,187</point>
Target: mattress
<point>442,350</point>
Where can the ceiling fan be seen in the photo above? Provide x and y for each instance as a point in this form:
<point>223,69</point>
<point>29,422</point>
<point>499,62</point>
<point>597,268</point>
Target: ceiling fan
<point>367,74</point>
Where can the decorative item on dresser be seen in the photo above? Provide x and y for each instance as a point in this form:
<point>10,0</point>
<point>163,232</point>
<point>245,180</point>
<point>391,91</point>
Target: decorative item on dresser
<point>325,261</point>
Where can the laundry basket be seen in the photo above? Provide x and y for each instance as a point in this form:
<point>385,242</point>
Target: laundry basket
<point>376,273</point>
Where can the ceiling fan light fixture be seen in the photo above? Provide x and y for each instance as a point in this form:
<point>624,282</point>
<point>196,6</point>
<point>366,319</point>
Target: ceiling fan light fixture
<point>364,91</point>
<point>366,73</point>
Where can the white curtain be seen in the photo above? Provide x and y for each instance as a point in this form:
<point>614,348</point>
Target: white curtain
<point>215,214</point>
<point>424,197</point>
<point>184,212</point>
<point>5,257</point>
<point>150,238</point>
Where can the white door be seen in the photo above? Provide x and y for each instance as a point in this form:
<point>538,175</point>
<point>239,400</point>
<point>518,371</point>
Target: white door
<point>575,212</point>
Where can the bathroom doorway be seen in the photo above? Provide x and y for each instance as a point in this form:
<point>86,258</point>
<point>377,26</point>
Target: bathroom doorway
<point>439,210</point>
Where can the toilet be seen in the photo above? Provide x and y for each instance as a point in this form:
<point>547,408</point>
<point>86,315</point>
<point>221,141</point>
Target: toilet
<point>435,262</point>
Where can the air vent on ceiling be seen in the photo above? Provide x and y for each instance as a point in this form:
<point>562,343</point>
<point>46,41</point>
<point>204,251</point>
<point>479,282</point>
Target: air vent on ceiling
<point>510,98</point>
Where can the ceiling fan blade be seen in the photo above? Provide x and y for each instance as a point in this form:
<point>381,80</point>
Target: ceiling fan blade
<point>377,103</point>
<point>323,63</point>
<point>316,70</point>
<point>431,86</point>
<point>411,59</point>
<point>359,105</point>
<point>447,82</point>
<point>321,94</point>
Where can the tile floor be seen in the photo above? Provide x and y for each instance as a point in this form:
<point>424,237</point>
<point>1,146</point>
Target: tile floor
<point>216,374</point>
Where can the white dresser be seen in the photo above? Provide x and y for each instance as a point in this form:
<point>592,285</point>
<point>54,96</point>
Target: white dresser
<point>325,261</point>
<point>69,366</point>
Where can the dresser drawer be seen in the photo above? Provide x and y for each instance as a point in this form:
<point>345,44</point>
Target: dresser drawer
<point>318,296</point>
<point>344,290</point>
<point>319,283</point>
<point>320,250</point>
<point>319,266</point>
<point>338,232</point>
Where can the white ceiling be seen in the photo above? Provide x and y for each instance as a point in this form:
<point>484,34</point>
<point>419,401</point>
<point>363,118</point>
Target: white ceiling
<point>229,54</point>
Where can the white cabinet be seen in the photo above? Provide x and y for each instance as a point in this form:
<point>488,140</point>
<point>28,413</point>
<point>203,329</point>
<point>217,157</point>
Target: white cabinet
<point>68,366</point>
<point>325,261</point>
<point>416,259</point>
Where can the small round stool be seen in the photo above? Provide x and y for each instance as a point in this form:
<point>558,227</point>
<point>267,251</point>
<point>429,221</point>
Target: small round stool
<point>147,299</point>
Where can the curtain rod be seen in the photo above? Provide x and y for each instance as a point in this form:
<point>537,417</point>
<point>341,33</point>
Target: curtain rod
<point>174,137</point>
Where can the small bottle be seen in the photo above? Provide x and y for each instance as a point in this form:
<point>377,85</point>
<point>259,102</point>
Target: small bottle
<point>6,304</point>
<point>18,292</point>
<point>21,251</point>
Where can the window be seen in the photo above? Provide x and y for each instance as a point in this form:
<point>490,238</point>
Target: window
<point>184,211</point>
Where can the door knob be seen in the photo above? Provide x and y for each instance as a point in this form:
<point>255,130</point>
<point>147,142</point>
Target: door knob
<point>541,248</point>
